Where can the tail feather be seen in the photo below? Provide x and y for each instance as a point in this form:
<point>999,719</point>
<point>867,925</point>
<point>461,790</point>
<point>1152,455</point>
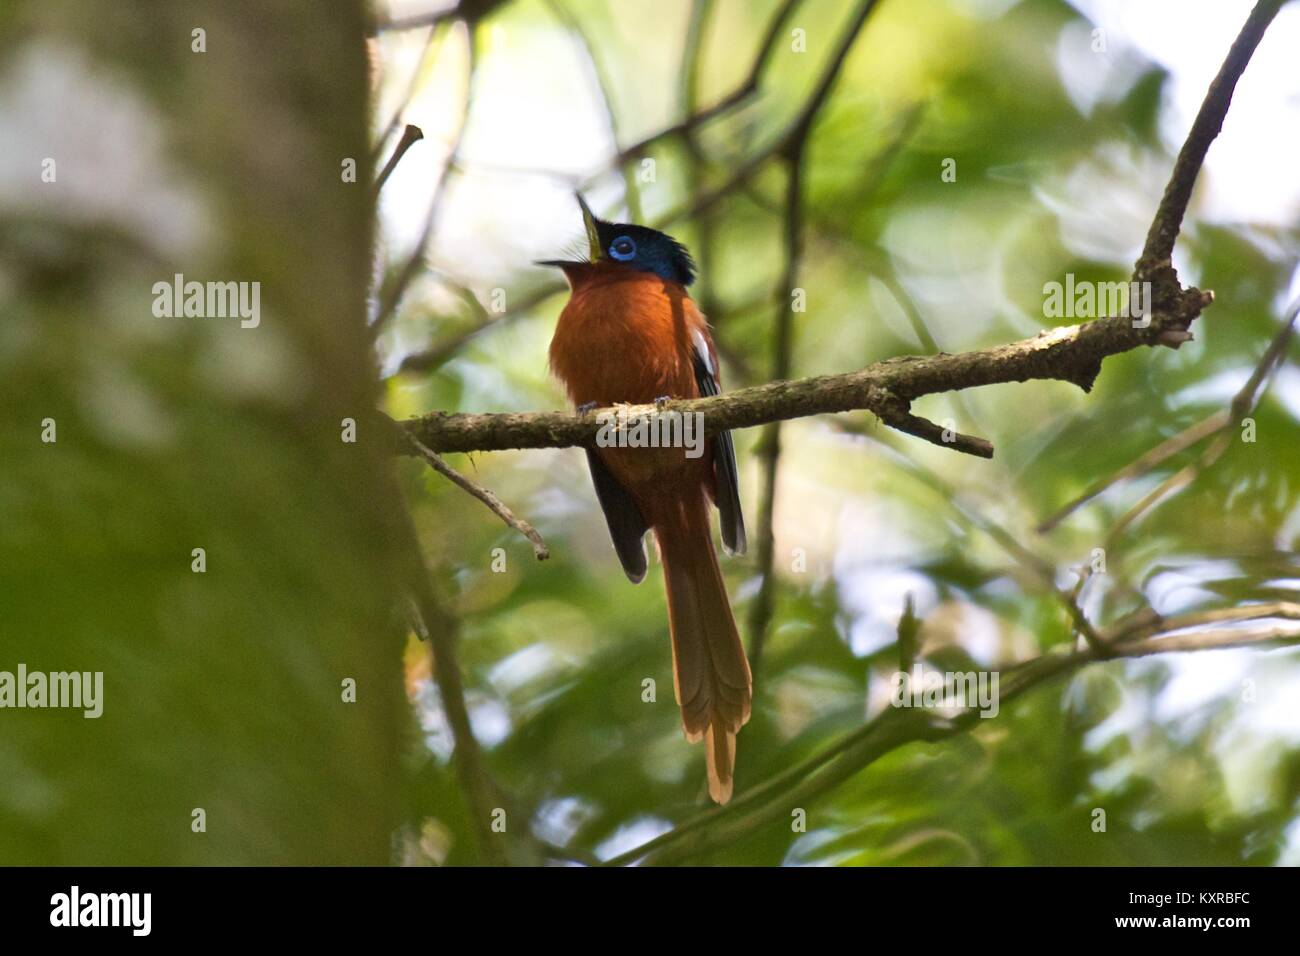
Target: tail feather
<point>720,755</point>
<point>711,677</point>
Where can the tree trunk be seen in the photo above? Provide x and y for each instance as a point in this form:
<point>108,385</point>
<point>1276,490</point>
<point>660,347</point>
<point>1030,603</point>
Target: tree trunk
<point>127,156</point>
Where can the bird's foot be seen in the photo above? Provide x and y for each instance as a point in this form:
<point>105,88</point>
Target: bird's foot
<point>586,407</point>
<point>662,400</point>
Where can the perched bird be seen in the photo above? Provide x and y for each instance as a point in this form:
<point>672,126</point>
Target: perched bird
<point>630,333</point>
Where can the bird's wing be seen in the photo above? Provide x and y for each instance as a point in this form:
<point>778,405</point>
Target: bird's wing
<point>726,478</point>
<point>626,526</point>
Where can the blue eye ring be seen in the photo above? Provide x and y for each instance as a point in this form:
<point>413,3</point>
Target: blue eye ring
<point>623,248</point>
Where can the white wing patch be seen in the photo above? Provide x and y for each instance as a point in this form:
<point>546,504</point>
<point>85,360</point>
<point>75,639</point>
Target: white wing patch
<point>702,350</point>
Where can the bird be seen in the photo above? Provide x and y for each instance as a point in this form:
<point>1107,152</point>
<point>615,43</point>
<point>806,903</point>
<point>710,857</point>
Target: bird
<point>630,333</point>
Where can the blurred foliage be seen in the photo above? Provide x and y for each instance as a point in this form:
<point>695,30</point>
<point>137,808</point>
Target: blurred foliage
<point>555,654</point>
<point>222,690</point>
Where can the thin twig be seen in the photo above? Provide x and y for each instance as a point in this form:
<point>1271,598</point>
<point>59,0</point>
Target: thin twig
<point>692,67</point>
<point>1209,121</point>
<point>792,147</point>
<point>769,447</point>
<point>410,136</point>
<point>1037,567</point>
<point>395,290</point>
<point>909,629</point>
<point>436,355</point>
<point>1136,629</point>
<point>737,96</point>
<point>494,504</point>
<point>1082,626</point>
<point>1146,463</point>
<point>1242,404</point>
<point>431,42</point>
<point>442,629</point>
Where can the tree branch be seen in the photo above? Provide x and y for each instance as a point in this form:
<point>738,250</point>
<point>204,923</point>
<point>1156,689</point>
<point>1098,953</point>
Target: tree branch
<point>1242,404</point>
<point>887,388</point>
<point>737,96</point>
<point>1209,120</point>
<point>410,136</point>
<point>1142,465</point>
<point>442,630</point>
<point>494,504</point>
<point>390,295</point>
<point>793,149</point>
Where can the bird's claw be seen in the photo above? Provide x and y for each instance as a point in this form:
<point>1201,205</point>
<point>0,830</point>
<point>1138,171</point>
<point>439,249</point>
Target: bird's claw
<point>662,400</point>
<point>586,407</point>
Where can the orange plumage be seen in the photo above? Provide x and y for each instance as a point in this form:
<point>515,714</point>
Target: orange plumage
<point>631,335</point>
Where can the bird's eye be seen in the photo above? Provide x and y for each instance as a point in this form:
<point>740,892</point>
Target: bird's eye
<point>622,248</point>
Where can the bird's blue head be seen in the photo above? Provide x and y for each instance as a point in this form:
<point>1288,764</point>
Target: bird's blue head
<point>636,247</point>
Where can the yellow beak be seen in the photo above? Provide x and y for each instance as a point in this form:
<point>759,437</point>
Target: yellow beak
<point>594,251</point>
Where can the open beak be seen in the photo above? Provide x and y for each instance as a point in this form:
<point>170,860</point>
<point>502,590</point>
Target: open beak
<point>594,251</point>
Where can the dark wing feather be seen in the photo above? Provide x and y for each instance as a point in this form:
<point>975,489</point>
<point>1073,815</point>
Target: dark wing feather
<point>726,478</point>
<point>626,526</point>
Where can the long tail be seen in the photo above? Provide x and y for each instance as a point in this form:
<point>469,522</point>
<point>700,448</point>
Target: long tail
<point>710,674</point>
